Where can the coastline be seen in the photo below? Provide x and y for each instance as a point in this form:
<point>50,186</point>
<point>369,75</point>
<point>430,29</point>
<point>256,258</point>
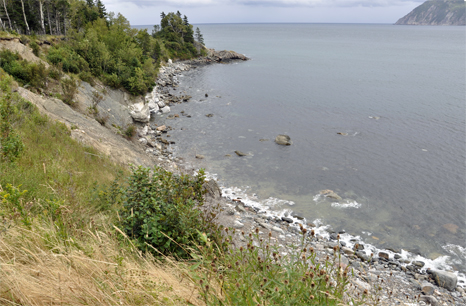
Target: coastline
<point>403,274</point>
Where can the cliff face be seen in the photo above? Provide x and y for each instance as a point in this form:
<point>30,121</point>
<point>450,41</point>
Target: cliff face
<point>437,12</point>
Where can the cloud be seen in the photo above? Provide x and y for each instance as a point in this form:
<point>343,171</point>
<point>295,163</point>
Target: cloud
<point>268,3</point>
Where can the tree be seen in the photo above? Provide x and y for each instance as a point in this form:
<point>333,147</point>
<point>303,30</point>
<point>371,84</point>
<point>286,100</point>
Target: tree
<point>25,20</point>
<point>6,12</point>
<point>162,15</point>
<point>173,24</point>
<point>178,14</point>
<point>199,37</point>
<point>101,9</point>
<point>155,30</point>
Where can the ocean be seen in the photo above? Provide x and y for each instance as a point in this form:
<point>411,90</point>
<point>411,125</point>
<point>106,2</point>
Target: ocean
<point>376,113</point>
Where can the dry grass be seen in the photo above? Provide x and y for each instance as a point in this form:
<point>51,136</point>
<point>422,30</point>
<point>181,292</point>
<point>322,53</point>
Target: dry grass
<point>37,268</point>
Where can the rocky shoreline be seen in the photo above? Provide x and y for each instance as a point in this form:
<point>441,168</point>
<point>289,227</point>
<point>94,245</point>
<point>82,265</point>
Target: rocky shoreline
<point>389,275</point>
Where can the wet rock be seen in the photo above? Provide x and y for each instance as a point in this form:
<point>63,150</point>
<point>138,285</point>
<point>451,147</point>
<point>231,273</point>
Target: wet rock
<point>419,264</point>
<point>334,236</point>
<point>209,115</point>
<point>206,95</point>
<point>384,255</point>
<point>161,104</point>
<point>342,134</point>
<point>283,140</point>
<point>265,225</point>
<point>287,219</point>
<point>239,153</point>
<point>143,141</point>
<point>263,139</point>
<point>444,279</point>
<point>199,156</point>
<point>330,194</point>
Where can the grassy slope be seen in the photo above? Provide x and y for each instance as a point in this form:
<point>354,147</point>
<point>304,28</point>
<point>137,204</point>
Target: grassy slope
<point>58,244</point>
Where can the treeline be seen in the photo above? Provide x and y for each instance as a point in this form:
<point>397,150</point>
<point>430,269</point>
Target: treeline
<point>54,17</point>
<point>97,44</point>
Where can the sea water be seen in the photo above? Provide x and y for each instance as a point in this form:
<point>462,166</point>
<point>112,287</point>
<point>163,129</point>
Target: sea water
<point>376,113</point>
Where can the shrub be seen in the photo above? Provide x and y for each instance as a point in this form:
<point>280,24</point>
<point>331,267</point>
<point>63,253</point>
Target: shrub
<point>164,210</point>
<point>35,47</point>
<point>11,144</point>
<point>27,73</point>
<point>69,88</point>
<point>129,132</point>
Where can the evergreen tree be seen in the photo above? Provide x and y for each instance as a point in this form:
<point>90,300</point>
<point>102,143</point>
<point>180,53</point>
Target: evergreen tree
<point>178,14</point>
<point>162,15</point>
<point>90,3</point>
<point>101,9</point>
<point>199,37</point>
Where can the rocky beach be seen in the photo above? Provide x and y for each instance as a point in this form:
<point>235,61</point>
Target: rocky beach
<point>393,276</point>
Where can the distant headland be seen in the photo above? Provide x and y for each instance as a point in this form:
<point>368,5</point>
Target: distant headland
<point>437,12</point>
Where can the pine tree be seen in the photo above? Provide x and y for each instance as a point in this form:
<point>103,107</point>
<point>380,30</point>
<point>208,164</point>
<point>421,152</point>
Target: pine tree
<point>199,37</point>
<point>101,9</point>
<point>162,15</point>
<point>178,14</point>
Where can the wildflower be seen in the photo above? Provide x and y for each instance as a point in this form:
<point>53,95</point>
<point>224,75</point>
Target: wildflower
<point>257,230</point>
<point>311,297</point>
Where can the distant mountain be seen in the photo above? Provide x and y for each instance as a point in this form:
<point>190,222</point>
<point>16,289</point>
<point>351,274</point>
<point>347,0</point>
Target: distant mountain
<point>437,12</point>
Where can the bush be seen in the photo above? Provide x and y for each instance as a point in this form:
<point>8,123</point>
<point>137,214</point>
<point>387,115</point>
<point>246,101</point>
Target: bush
<point>69,88</point>
<point>129,131</point>
<point>35,47</point>
<point>27,73</point>
<point>163,210</point>
<point>70,60</point>
<point>11,144</point>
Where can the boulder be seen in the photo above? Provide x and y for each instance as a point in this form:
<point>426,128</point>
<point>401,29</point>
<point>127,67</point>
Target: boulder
<point>211,188</point>
<point>153,107</point>
<point>140,114</point>
<point>447,280</point>
<point>427,288</point>
<point>161,104</point>
<point>165,109</point>
<point>283,140</point>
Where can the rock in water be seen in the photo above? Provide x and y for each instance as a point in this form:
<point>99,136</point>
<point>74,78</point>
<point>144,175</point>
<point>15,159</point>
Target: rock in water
<point>239,153</point>
<point>283,140</point>
<point>330,194</point>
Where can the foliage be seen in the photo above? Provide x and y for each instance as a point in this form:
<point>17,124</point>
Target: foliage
<point>130,131</point>
<point>199,36</point>
<point>23,71</point>
<point>11,144</point>
<point>35,47</point>
<point>69,60</point>
<point>69,88</point>
<point>163,210</point>
<point>261,275</point>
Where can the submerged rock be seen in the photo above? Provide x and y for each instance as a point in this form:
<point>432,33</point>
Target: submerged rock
<point>330,194</point>
<point>283,140</point>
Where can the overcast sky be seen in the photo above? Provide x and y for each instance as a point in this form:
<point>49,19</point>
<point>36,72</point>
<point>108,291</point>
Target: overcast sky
<point>147,12</point>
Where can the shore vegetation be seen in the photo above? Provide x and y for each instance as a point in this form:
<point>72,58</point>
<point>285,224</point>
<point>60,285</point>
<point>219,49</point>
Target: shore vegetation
<point>78,229</point>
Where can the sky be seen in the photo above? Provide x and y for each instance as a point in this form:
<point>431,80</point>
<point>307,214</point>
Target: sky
<point>147,12</point>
